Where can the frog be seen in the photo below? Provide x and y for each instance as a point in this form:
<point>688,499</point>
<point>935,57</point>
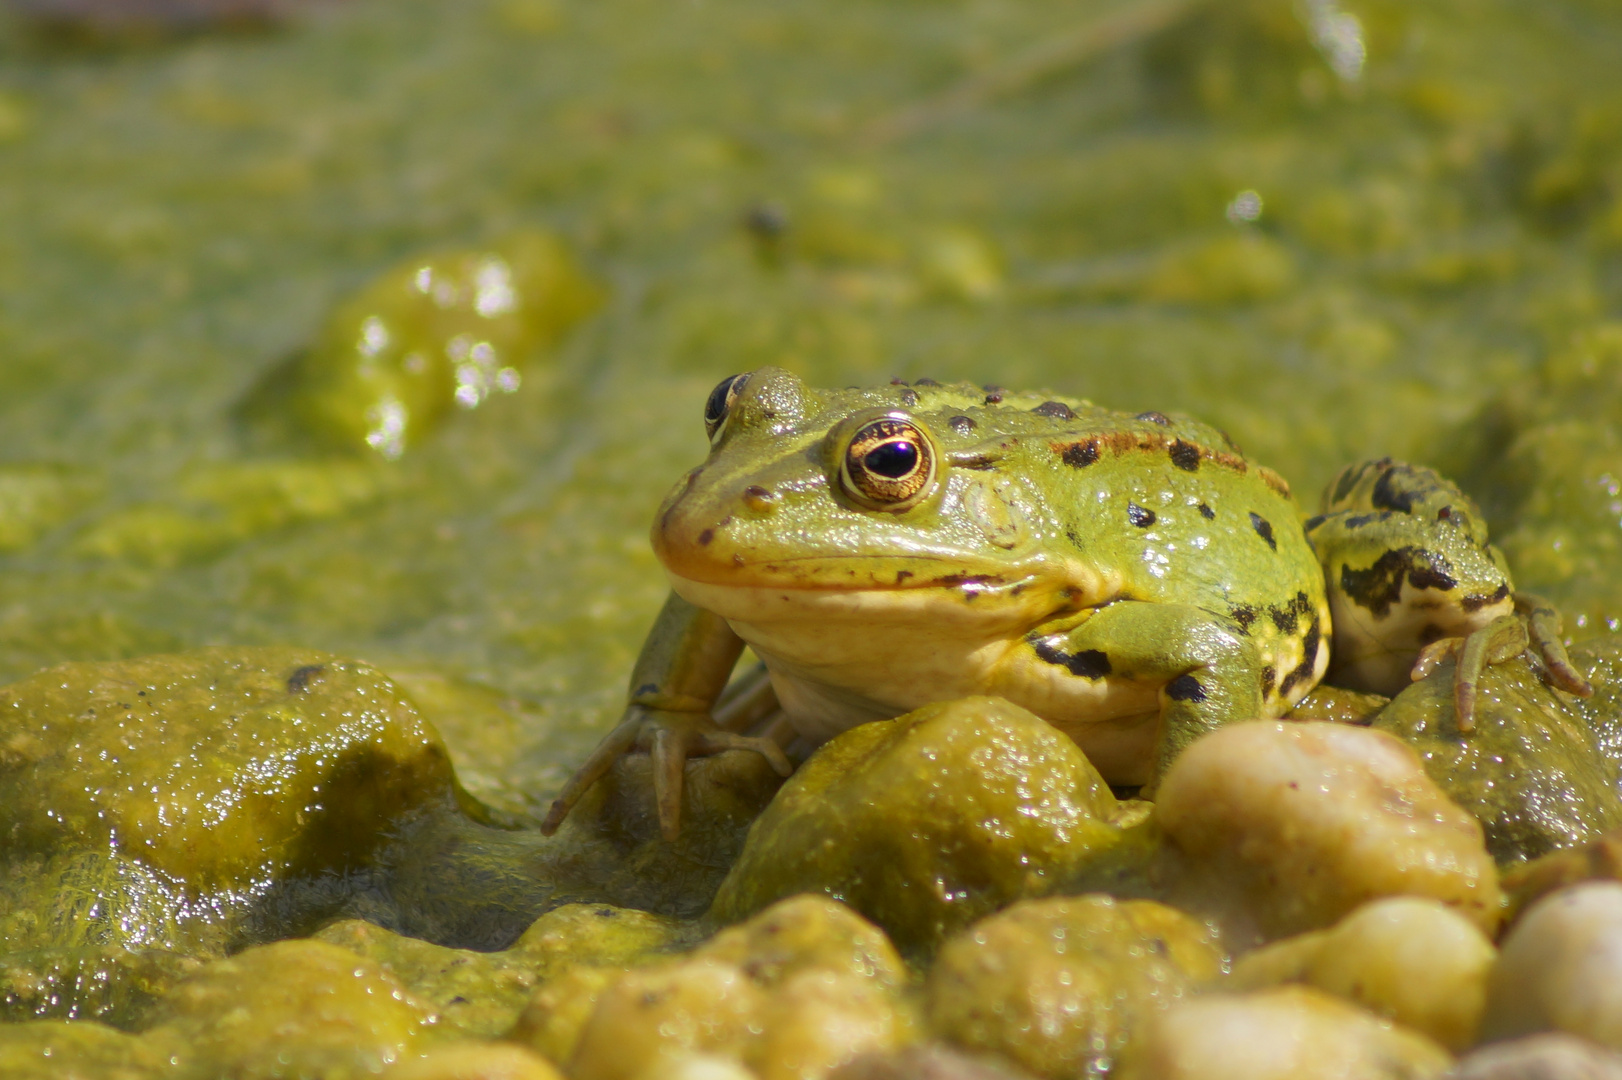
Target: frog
<point>1413,581</point>
<point>1131,578</point>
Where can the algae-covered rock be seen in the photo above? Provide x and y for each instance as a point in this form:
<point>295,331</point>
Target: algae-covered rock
<point>1291,1033</point>
<point>77,1050</point>
<point>797,991</point>
<point>655,1014</point>
<point>1412,960</point>
<point>808,933</point>
<point>218,768</point>
<point>1304,822</point>
<point>111,984</point>
<point>290,1009</point>
<point>196,802</point>
<point>434,333</point>
<point>925,822</point>
<point>481,994</point>
<point>1531,771</point>
<point>1059,985</point>
<point>476,1061</point>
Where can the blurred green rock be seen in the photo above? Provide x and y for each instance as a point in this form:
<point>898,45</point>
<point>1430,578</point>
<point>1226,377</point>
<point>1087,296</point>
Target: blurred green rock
<point>434,333</point>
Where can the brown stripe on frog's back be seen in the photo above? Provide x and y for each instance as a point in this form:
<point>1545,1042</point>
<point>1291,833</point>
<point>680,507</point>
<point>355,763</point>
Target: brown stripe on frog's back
<point>1180,452</point>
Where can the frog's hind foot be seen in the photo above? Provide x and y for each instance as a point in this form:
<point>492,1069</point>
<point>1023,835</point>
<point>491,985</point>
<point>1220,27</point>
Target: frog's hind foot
<point>1534,624</point>
<point>671,738</point>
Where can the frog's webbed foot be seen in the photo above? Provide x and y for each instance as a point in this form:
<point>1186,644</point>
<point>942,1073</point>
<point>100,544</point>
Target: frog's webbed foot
<point>672,738</point>
<point>1534,624</point>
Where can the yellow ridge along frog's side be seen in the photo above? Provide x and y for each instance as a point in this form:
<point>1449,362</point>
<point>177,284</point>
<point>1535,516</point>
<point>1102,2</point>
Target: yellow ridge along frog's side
<point>1132,579</point>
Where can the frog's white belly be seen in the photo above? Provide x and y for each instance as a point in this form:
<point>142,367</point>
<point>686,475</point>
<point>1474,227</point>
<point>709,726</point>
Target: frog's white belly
<point>842,658</point>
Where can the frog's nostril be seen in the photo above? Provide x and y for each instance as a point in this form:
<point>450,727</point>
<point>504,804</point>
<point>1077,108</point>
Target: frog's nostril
<point>759,499</point>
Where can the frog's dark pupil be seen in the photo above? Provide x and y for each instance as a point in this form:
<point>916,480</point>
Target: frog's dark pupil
<point>892,459</point>
<point>715,409</point>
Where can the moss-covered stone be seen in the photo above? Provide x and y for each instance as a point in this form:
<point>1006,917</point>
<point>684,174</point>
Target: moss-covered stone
<point>481,994</point>
<point>1059,985</point>
<point>925,822</point>
<point>77,1050</point>
<point>290,1010</point>
<point>219,769</point>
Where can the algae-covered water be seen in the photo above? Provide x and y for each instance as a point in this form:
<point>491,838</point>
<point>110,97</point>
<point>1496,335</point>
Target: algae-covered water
<point>1337,231</point>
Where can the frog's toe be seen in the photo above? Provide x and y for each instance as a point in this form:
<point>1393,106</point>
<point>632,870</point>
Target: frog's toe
<point>713,742</point>
<point>615,745</point>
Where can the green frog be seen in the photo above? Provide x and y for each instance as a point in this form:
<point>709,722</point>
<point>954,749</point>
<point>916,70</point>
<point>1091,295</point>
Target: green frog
<point>1132,579</point>
<point>1413,580</point>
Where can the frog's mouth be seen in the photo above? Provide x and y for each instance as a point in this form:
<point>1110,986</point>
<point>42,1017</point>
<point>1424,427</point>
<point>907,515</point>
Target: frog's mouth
<point>910,591</point>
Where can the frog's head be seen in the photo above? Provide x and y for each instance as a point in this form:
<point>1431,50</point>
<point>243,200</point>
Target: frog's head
<point>895,489</point>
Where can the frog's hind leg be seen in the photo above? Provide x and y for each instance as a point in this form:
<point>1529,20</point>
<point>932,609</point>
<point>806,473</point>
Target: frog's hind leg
<point>1208,670</point>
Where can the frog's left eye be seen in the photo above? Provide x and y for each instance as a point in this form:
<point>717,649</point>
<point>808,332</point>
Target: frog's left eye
<point>720,403</point>
<point>889,464</point>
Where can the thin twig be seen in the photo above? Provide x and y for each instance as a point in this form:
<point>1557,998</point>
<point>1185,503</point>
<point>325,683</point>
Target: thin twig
<point>1055,54</point>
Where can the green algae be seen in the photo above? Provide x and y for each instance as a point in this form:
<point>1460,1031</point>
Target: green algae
<point>1188,205</point>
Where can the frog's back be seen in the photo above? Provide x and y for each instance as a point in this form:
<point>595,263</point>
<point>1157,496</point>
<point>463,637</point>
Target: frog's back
<point>1175,513</point>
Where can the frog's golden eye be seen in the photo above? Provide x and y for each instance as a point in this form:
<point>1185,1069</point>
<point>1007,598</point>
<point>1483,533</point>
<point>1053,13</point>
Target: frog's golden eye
<point>889,464</point>
<point>720,403</point>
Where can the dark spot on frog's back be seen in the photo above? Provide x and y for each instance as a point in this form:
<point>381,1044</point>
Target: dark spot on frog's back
<point>1264,529</point>
<point>300,680</point>
<point>1087,664</point>
<point>1269,679</point>
<point>1386,496</point>
<point>1283,617</point>
<point>1058,410</point>
<point>1185,688</point>
<point>1140,516</point>
<point>1185,456</point>
<point>1155,418</point>
<point>1207,513</point>
<point>909,397</point>
<point>1080,455</point>
<point>706,536</point>
<point>961,424</point>
<point>925,381</point>
<point>1477,601</point>
<point>993,394</point>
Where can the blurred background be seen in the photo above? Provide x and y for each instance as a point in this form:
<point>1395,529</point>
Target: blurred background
<point>381,326</point>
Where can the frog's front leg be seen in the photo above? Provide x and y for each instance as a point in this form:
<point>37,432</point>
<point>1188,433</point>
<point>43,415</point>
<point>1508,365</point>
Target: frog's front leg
<point>683,667</point>
<point>1535,623</point>
<point>1208,670</point>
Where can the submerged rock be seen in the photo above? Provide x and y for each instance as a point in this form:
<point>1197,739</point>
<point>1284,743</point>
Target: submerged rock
<point>928,821</point>
<point>1059,985</point>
